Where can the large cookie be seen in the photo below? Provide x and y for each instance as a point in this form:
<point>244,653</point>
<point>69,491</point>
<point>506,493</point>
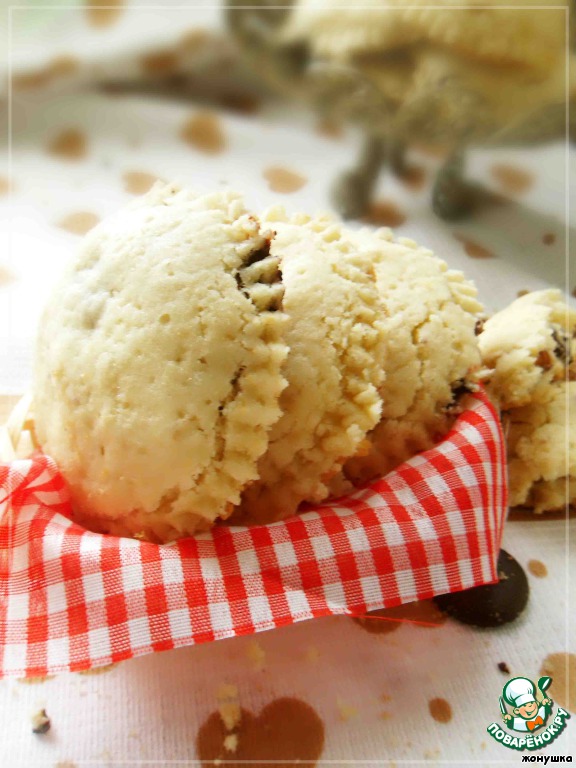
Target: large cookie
<point>159,363</point>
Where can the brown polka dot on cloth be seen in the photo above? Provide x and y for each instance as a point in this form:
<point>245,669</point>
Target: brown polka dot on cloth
<point>70,144</point>
<point>561,667</point>
<point>63,66</point>
<point>138,182</point>
<point>329,128</point>
<point>473,249</point>
<point>104,14</point>
<point>204,132</point>
<point>79,223</point>
<point>286,730</point>
<point>159,64</point>
<point>513,180</point>
<point>413,177</point>
<point>385,213</point>
<point>537,568</point>
<point>440,710</point>
<point>283,179</point>
<point>59,67</point>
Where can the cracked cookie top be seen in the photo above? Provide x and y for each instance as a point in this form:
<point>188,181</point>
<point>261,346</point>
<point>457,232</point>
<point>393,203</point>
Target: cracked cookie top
<point>159,364</point>
<point>335,333</point>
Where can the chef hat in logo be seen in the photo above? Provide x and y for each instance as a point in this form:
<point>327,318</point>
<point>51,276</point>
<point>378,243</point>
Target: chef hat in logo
<point>519,691</point>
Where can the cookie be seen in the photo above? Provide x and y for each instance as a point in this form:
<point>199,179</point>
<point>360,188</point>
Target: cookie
<point>489,33</point>
<point>528,350</point>
<point>526,347</point>
<point>159,364</point>
<point>336,336</point>
<point>431,356</point>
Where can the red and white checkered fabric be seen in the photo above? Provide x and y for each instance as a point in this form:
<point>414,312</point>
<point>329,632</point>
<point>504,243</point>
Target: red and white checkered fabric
<point>71,599</point>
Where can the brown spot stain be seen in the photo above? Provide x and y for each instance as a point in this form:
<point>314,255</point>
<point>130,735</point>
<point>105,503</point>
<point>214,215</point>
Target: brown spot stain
<point>283,180</point>
<point>29,81</point>
<point>105,14</point>
<point>138,182</point>
<point>385,213</point>
<point>159,63</point>
<point>242,103</point>
<point>423,613</point>
<point>474,249</point>
<point>537,568</point>
<point>522,514</point>
<point>204,132</point>
<point>561,667</point>
<point>549,238</point>
<point>35,680</point>
<point>79,223</point>
<point>63,66</point>
<point>99,670</point>
<point>65,764</point>
<point>5,185</point>
<point>513,180</point>
<point>413,177</point>
<point>287,731</point>
<point>193,40</point>
<point>69,144</point>
<point>329,128</point>
<point>440,710</point>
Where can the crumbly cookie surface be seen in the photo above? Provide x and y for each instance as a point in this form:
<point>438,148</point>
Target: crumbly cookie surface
<point>159,364</point>
<point>334,369</point>
<point>431,354</point>
<point>528,351</point>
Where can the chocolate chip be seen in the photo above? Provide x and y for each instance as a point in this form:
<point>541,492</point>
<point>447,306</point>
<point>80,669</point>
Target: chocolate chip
<point>503,667</point>
<point>544,359</point>
<point>41,722</point>
<point>490,605</point>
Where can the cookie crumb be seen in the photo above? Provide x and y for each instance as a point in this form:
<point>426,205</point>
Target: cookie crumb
<point>503,667</point>
<point>256,655</point>
<point>229,706</point>
<point>345,710</point>
<point>537,568</point>
<point>41,722</point>
<point>231,742</point>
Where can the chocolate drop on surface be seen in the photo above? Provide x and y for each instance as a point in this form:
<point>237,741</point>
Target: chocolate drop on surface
<point>490,605</point>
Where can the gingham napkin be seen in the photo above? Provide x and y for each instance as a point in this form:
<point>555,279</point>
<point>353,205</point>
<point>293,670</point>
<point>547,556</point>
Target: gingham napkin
<point>71,599</point>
